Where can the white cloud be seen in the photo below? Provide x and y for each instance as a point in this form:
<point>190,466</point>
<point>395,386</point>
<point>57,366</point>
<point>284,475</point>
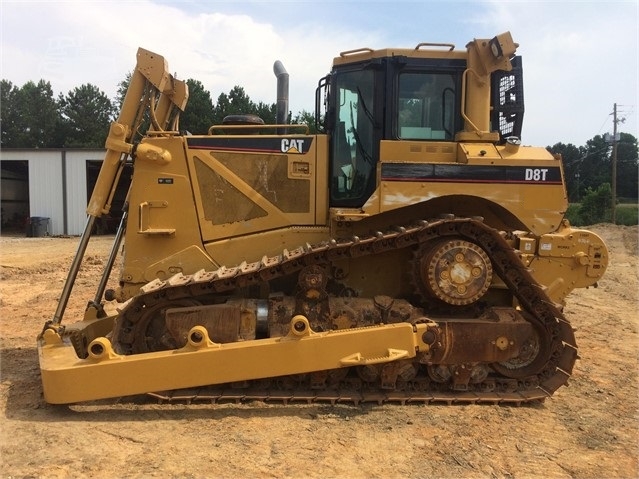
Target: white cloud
<point>579,57</point>
<point>93,42</point>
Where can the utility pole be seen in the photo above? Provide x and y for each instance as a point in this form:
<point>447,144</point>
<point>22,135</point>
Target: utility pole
<point>614,165</point>
<point>615,140</point>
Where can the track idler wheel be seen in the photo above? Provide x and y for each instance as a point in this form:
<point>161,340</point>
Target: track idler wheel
<point>532,356</point>
<point>455,271</point>
<point>149,333</point>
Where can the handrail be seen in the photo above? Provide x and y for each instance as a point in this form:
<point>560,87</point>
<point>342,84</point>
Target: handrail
<point>463,100</point>
<point>428,44</point>
<point>259,127</point>
<point>162,133</point>
<point>356,50</point>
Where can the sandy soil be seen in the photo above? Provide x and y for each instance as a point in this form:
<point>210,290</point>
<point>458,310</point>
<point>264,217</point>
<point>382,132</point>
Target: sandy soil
<point>588,430</point>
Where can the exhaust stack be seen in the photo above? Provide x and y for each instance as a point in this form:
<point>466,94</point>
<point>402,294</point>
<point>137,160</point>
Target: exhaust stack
<point>281,115</point>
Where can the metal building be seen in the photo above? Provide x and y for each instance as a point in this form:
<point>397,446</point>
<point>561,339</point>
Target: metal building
<point>48,183</point>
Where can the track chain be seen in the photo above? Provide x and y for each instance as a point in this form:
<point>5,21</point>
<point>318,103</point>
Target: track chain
<point>548,319</point>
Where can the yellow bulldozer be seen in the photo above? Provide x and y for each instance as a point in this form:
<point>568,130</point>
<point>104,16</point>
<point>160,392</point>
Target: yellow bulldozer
<point>412,250</point>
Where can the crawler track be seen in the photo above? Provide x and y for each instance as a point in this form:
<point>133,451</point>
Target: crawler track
<point>560,350</point>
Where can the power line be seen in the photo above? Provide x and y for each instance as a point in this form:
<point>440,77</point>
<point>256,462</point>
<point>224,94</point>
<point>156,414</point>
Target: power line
<point>590,153</point>
<point>620,111</point>
<point>603,124</point>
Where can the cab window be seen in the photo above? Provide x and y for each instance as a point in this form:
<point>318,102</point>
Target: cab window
<point>426,106</point>
<point>353,143</point>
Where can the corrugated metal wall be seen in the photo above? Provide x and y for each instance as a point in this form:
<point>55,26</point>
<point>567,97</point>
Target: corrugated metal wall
<point>45,189</point>
<point>48,193</point>
<point>77,195</point>
<point>76,184</point>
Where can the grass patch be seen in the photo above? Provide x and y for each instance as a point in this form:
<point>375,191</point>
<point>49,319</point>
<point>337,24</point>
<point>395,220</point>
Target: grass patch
<point>626,214</point>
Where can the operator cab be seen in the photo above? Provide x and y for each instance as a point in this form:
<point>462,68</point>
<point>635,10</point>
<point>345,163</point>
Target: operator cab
<point>414,95</point>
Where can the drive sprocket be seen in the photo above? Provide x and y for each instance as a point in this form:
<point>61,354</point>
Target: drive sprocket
<point>453,270</point>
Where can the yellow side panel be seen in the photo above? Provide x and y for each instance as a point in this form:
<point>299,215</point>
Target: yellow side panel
<point>249,184</point>
<point>527,182</point>
<point>163,235</point>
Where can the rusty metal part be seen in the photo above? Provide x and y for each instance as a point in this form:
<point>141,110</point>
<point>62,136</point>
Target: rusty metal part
<point>166,326</point>
<point>528,373</point>
<point>312,299</point>
<point>234,320</point>
<point>467,340</point>
<point>463,347</point>
<point>456,271</point>
<point>150,332</point>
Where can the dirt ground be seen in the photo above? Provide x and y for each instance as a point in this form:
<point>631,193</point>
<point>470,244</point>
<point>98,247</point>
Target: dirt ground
<point>588,430</point>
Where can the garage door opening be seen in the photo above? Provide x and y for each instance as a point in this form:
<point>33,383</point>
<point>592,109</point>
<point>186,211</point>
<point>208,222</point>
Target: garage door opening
<point>108,224</point>
<point>14,198</point>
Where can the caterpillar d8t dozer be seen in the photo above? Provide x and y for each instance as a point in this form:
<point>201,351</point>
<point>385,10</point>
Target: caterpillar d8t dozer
<point>412,250</point>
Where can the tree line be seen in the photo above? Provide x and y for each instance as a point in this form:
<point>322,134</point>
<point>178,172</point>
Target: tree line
<point>32,117</point>
<point>588,167</point>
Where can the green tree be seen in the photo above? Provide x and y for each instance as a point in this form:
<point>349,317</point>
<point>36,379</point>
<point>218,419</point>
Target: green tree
<point>595,206</point>
<point>198,115</point>
<point>30,116</point>
<point>8,113</point>
<point>123,86</point>
<point>306,118</point>
<point>267,112</point>
<point>571,159</point>
<point>588,167</point>
<point>627,167</point>
<point>237,102</point>
<point>595,168</point>
<point>87,114</point>
<point>201,112</point>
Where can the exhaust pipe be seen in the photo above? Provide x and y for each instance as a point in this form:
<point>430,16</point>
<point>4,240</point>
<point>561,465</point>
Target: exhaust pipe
<point>281,115</point>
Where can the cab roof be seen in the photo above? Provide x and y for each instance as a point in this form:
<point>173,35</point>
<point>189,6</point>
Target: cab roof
<point>422,50</point>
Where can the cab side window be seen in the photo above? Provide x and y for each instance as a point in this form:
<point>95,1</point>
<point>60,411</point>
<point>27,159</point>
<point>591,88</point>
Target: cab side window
<point>426,106</point>
<point>353,142</point>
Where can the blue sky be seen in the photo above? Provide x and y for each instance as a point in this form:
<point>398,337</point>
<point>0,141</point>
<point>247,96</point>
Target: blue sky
<point>579,57</point>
